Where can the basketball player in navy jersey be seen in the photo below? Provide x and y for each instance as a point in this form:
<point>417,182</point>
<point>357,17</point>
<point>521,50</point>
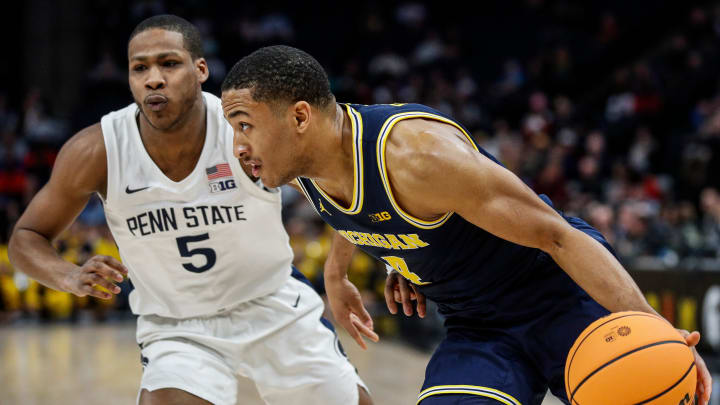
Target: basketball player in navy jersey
<point>515,279</point>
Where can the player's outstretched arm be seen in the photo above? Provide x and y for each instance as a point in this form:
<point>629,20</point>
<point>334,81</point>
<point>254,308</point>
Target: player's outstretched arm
<point>344,298</point>
<point>79,171</point>
<point>433,171</point>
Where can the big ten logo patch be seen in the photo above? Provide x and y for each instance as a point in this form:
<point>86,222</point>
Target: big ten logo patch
<point>222,185</point>
<point>380,216</point>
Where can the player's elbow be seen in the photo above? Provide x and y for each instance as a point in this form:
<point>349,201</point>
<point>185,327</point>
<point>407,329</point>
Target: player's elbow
<point>14,244</point>
<point>554,239</point>
<point>18,243</point>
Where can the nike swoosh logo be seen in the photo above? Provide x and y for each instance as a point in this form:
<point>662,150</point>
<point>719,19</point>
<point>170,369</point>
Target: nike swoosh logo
<point>296,301</point>
<point>129,191</point>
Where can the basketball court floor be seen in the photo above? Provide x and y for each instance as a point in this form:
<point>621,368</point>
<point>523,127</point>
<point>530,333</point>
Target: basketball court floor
<point>100,364</point>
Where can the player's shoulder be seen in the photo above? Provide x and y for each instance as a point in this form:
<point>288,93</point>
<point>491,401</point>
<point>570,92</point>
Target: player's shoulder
<point>419,141</point>
<point>211,98</point>
<point>213,104</point>
<point>392,108</point>
<point>423,150</point>
<point>216,114</point>
<point>410,158</point>
<point>407,132</point>
<point>381,113</point>
<point>82,159</point>
<point>87,143</point>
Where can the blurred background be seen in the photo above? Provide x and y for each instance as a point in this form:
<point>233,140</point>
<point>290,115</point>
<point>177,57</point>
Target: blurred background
<point>611,108</point>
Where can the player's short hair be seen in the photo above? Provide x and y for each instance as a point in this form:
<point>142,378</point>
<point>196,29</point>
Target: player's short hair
<point>192,40</point>
<point>281,74</point>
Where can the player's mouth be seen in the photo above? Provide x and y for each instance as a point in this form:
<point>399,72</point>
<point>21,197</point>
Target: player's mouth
<point>255,170</point>
<point>255,166</point>
<point>156,102</point>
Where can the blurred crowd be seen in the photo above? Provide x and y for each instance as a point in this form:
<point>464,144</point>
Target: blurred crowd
<point>612,109</point>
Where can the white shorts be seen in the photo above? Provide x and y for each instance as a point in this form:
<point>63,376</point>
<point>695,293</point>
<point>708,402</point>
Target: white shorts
<point>278,341</point>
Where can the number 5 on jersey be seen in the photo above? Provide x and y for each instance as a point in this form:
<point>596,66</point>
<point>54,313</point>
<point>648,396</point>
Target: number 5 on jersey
<point>185,251</point>
<point>399,265</point>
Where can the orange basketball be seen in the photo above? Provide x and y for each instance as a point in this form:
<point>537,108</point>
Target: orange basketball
<point>630,358</point>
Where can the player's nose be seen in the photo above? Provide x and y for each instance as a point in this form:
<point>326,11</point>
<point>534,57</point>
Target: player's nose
<point>241,148</point>
<point>155,79</point>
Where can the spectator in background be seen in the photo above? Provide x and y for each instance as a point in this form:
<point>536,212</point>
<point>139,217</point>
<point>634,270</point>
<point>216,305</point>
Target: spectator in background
<point>511,79</point>
<point>633,230</point>
<point>388,63</point>
<point>602,217</point>
<point>551,182</point>
<point>609,30</point>
<point>8,117</point>
<point>680,229</point>
<point>40,127</point>
<point>710,205</point>
<point>641,151</point>
<point>106,69</point>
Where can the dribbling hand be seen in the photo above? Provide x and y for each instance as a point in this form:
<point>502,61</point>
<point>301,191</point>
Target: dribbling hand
<point>98,271</point>
<point>704,380</point>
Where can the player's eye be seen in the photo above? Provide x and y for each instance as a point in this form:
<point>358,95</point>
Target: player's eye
<point>244,126</point>
<point>139,68</point>
<point>170,63</point>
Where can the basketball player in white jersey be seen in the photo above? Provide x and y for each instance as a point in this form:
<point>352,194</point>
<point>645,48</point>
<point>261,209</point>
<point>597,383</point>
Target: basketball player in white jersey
<point>203,244</point>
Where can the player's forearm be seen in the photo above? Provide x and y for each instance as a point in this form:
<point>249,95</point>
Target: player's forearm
<point>599,273</point>
<point>339,258</point>
<point>33,254</point>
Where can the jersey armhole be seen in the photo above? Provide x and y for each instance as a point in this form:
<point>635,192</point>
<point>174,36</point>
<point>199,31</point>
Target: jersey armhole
<point>112,161</point>
<point>382,166</point>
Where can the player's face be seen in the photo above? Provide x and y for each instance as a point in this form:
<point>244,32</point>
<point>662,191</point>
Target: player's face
<point>164,79</point>
<point>263,138</point>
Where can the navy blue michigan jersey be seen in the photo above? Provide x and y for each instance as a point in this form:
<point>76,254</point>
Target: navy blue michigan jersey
<point>464,269</point>
<point>496,296</point>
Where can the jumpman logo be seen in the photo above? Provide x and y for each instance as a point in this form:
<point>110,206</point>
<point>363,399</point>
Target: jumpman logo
<point>322,207</point>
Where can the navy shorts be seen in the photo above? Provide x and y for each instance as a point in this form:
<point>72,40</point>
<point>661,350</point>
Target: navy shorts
<point>517,363</point>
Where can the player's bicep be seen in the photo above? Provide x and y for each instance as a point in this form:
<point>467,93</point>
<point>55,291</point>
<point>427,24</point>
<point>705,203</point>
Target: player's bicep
<point>50,212</point>
<point>79,171</point>
<point>499,202</point>
<point>434,170</point>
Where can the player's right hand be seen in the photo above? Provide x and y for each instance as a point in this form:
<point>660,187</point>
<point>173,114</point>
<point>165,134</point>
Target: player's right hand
<point>704,379</point>
<point>98,271</point>
<point>347,308</point>
<point>399,291</point>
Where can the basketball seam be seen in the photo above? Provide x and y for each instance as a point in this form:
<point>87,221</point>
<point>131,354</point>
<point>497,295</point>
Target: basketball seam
<point>572,395</point>
<point>572,357</point>
<point>671,387</point>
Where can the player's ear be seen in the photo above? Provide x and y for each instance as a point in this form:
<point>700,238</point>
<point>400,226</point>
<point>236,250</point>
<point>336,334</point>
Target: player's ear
<point>201,69</point>
<point>301,113</point>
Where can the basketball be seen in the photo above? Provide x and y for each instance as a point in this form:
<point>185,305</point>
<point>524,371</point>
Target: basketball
<point>630,358</point>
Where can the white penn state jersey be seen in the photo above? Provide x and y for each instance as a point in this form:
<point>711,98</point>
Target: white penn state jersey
<point>200,245</point>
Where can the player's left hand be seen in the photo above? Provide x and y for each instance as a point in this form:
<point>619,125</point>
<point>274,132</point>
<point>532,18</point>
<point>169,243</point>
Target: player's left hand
<point>347,308</point>
<point>704,380</point>
<point>399,291</point>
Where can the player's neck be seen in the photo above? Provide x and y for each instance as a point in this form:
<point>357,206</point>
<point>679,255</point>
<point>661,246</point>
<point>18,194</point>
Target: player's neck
<point>333,158</point>
<point>176,149</point>
<point>188,128</point>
